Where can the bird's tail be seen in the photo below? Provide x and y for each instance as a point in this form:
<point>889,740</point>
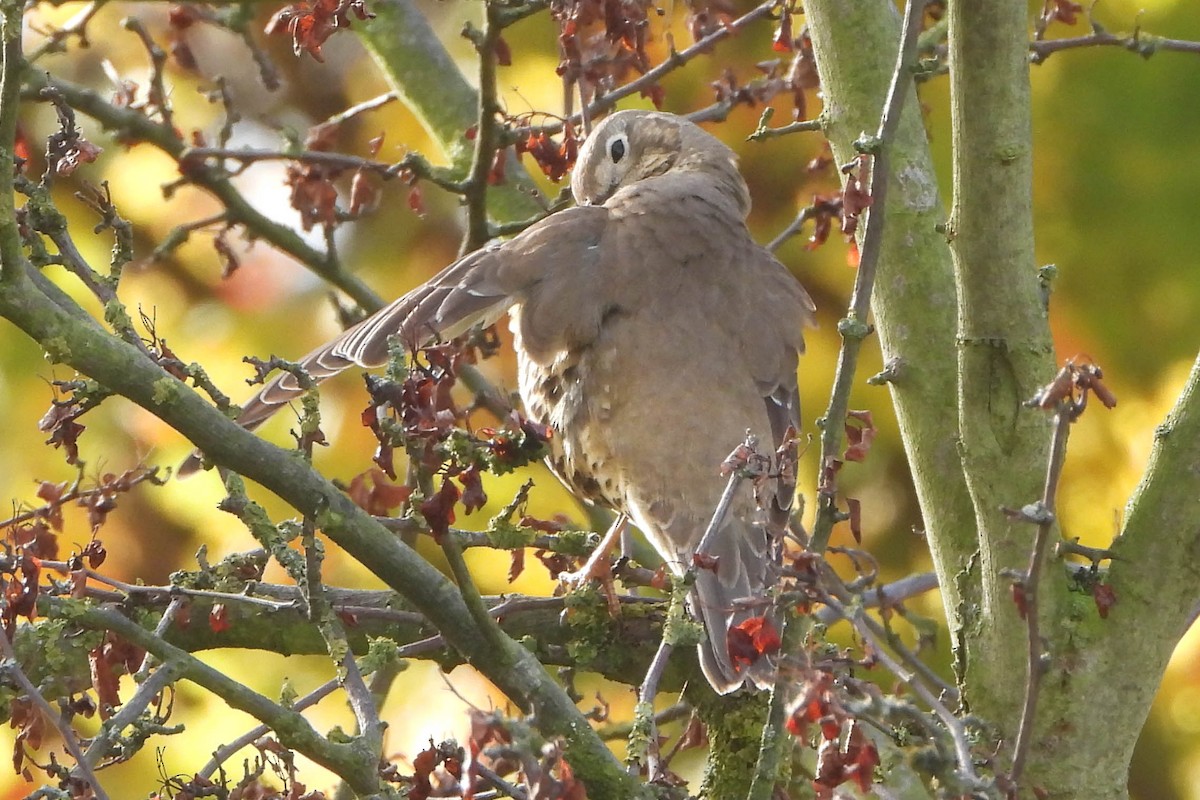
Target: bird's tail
<point>731,597</point>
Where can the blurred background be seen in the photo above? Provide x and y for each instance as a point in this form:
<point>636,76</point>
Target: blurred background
<point>1117,166</point>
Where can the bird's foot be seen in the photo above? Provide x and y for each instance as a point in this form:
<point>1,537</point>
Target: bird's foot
<point>598,567</point>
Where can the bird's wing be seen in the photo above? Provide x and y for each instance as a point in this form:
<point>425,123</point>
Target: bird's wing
<point>772,348</point>
<point>476,289</point>
<point>775,309</point>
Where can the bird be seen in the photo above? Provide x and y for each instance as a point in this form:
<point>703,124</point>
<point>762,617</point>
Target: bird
<point>652,334</point>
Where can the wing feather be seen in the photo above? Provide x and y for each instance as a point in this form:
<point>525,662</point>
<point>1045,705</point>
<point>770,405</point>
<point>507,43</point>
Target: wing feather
<point>475,290</point>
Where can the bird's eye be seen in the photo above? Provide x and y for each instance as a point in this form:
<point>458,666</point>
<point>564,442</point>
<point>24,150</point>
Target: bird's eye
<point>616,148</point>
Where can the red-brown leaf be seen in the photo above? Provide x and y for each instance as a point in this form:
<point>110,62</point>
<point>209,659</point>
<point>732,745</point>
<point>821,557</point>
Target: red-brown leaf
<point>782,41</point>
<point>52,493</point>
<point>416,202</point>
<point>516,564</point>
<point>854,509</point>
<point>104,680</point>
<point>473,495</point>
<point>1104,597</point>
<point>36,539</point>
<point>751,639</point>
<point>218,618</point>
<point>364,194</point>
<point>375,493</point>
<point>503,52</point>
<point>438,510</point>
<point>859,436</point>
<point>1019,598</point>
<point>95,553</point>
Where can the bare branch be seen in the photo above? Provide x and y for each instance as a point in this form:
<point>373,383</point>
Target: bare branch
<point>487,128</point>
<point>1143,44</point>
<point>854,327</point>
<point>75,26</point>
<point>69,738</point>
<point>1060,394</point>
<point>958,734</point>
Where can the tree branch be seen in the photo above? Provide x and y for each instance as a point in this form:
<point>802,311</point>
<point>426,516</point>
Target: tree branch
<point>355,765</point>
<point>854,328</point>
<point>914,302</point>
<point>487,129</point>
<point>1143,44</point>
<point>70,739</point>
<point>1005,351</point>
<point>418,68</point>
<point>12,259</point>
<point>121,368</point>
<point>1061,395</point>
<point>136,125</point>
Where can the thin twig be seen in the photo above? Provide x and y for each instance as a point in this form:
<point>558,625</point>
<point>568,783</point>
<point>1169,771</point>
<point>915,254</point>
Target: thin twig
<point>131,709</point>
<point>773,739</point>
<point>1136,42</point>
<point>225,751</point>
<point>722,509</point>
<point>321,157</point>
<point>170,592</point>
<point>69,738</point>
<point>806,213</point>
<point>138,126</point>
<point>800,126</point>
<point>361,604</point>
<point>894,592</point>
<point>854,328</point>
<point>962,746</point>
<point>75,26</point>
<point>74,261</point>
<point>1092,554</point>
<point>268,73</point>
<point>621,730</point>
<point>487,130</point>
<point>320,611</point>
<point>832,583</point>
<point>178,235</point>
<point>176,605</point>
<point>772,744</point>
<point>363,107</point>
<point>675,60</point>
<point>133,477</point>
<point>486,394</point>
<point>493,777</point>
<point>158,95</point>
<point>412,165</point>
<point>484,621</point>
<point>362,703</point>
<point>597,565</point>
<point>646,693</point>
<point>1063,418</point>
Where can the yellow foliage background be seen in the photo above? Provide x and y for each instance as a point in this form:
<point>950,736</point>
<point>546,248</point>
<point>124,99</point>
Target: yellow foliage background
<point>1117,167</point>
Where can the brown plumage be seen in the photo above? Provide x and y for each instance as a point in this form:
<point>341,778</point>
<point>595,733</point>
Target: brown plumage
<point>651,333</point>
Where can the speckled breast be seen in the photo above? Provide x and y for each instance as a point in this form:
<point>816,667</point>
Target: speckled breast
<point>568,393</point>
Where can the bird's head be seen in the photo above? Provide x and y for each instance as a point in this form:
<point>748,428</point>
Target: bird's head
<point>631,146</point>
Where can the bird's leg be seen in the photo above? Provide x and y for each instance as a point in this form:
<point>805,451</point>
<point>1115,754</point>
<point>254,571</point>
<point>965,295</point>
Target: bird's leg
<point>626,542</point>
<point>598,567</point>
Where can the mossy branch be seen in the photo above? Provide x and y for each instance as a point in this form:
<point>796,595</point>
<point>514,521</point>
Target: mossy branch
<point>122,368</point>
